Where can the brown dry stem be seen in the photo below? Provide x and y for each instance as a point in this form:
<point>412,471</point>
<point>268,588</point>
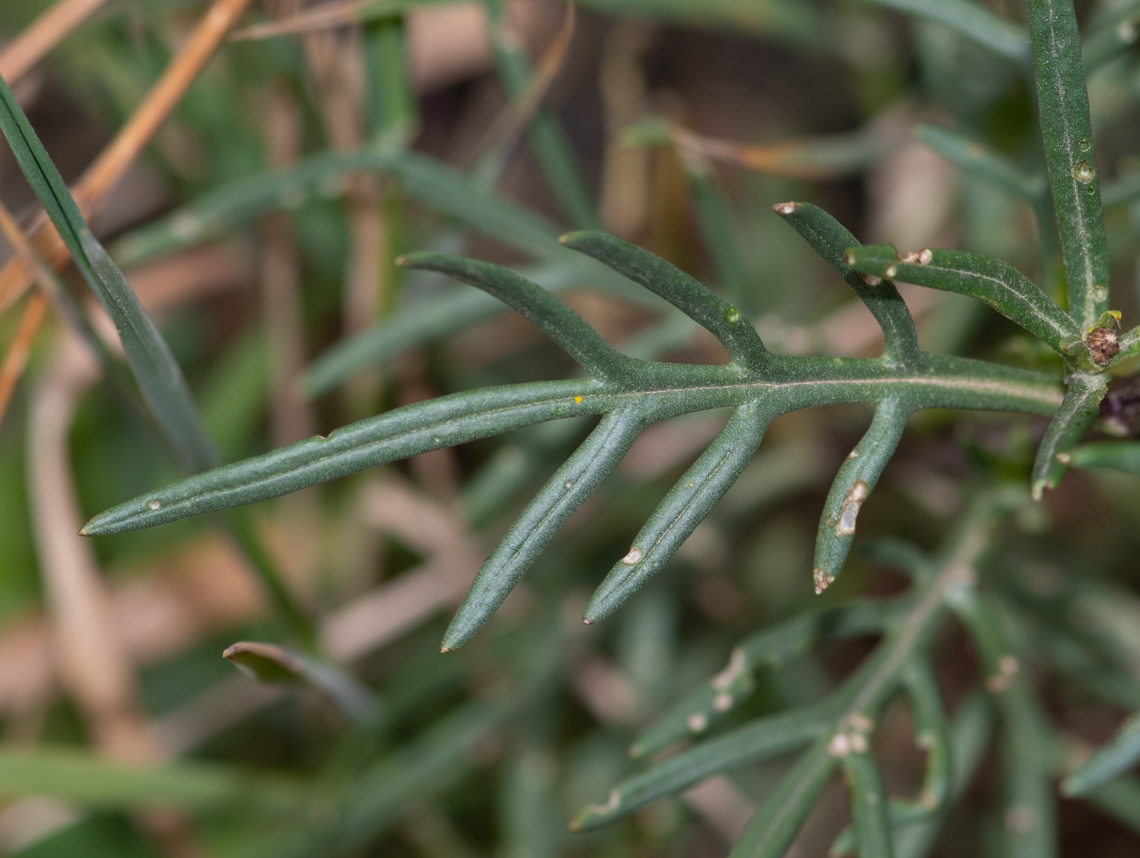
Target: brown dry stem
<point>43,34</point>
<point>99,178</point>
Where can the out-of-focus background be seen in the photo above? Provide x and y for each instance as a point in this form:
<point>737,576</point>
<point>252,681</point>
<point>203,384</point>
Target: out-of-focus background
<point>266,254</point>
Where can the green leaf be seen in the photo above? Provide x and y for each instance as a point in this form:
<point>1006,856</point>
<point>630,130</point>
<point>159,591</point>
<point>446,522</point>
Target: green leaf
<point>854,483</point>
<point>93,781</point>
<point>1069,155</point>
<point>378,440</point>
<point>1116,455</point>
<point>550,315</point>
<point>971,20</point>
<point>758,740</point>
<point>830,239</point>
<point>541,520</point>
<point>769,648</point>
<point>776,824</point>
<point>663,390</point>
<point>982,163</point>
<point>154,367</point>
<point>867,798</point>
<point>695,300</point>
<point>1116,756</point>
<point>1079,409</point>
<point>686,505</point>
<point>993,281</point>
<point>276,665</point>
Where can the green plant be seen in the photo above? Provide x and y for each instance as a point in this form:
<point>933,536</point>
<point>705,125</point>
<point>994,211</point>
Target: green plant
<point>969,576</point>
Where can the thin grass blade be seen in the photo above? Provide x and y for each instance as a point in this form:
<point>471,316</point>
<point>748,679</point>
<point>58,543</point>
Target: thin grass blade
<point>1070,156</point>
<point>154,367</point>
<point>378,440</point>
<point>776,824</point>
<point>1079,409</point>
<point>91,780</point>
<point>550,315</point>
<point>686,506</point>
<point>567,490</point>
<point>705,307</point>
<point>854,483</point>
<point>435,184</point>
<point>992,281</point>
<point>758,740</point>
<point>548,143</point>
<point>981,162</point>
<point>718,229</point>
<point>830,239</point>
<point>971,20</point>
<point>1118,755</point>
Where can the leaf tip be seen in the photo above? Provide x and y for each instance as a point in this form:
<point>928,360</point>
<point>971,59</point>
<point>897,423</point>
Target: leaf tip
<point>785,209</point>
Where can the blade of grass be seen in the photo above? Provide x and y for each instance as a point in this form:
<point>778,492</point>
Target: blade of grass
<point>91,780</point>
<point>1069,156</point>
<point>496,144</point>
<point>971,20</point>
<point>150,359</point>
<point>816,158</point>
<point>328,15</point>
<point>432,182</point>
<point>153,366</point>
